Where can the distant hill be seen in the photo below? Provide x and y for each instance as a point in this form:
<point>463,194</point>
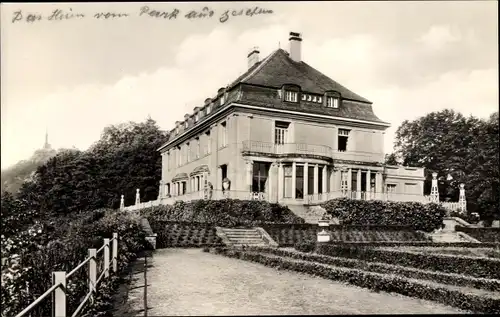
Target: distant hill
<point>14,176</point>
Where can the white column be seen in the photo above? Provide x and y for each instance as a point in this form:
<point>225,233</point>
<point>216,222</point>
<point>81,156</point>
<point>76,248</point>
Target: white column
<point>333,179</point>
<point>294,179</point>
<point>379,189</point>
<point>281,180</point>
<point>122,203</point>
<point>316,178</point>
<point>137,197</point>
<point>218,182</point>
<point>325,175</point>
<point>349,182</point>
<point>368,185</point>
<point>434,189</point>
<point>358,184</point>
<point>306,179</point>
<point>249,172</point>
<point>272,182</point>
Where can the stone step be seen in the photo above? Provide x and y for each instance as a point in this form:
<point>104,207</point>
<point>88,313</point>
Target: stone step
<point>241,233</point>
<point>243,239</point>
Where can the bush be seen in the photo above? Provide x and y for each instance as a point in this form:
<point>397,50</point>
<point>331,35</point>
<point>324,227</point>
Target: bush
<point>477,267</point>
<point>375,281</point>
<point>445,278</point>
<point>63,251</point>
<point>185,234</point>
<point>418,216</point>
<point>306,246</point>
<point>224,213</point>
<point>481,234</point>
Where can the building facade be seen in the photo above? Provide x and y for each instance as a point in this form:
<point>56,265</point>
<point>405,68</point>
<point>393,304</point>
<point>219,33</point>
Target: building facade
<point>286,133</point>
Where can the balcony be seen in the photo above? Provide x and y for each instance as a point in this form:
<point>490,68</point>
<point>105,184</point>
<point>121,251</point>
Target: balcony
<point>288,148</point>
<point>362,195</point>
<point>309,149</point>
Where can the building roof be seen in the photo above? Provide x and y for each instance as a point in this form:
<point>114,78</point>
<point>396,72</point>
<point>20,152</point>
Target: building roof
<point>278,69</point>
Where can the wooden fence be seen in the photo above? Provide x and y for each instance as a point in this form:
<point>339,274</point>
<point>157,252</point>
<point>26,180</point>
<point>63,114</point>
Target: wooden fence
<point>59,279</point>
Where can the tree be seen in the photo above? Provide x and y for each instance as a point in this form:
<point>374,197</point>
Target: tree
<point>460,149</point>
<point>392,159</point>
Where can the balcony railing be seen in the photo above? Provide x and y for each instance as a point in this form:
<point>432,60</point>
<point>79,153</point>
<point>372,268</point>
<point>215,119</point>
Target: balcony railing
<point>362,195</point>
<point>309,149</point>
<point>287,148</point>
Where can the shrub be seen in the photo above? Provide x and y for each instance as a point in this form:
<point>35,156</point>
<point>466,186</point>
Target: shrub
<point>418,216</point>
<point>375,281</point>
<point>477,267</point>
<point>482,234</point>
<point>225,213</point>
<point>306,246</point>
<point>65,251</point>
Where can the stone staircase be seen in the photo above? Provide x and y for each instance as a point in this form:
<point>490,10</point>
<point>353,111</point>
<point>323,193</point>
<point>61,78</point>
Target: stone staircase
<point>311,214</point>
<point>240,237</point>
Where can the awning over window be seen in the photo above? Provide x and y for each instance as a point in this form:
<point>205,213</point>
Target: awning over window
<point>179,177</point>
<point>199,170</point>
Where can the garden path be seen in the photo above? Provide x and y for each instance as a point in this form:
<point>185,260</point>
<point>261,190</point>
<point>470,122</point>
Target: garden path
<point>192,282</point>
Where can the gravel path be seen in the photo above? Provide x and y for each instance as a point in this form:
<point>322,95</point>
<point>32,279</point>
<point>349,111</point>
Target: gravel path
<point>192,282</point>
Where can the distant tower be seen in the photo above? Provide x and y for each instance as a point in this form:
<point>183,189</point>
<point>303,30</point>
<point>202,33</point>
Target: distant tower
<point>46,146</point>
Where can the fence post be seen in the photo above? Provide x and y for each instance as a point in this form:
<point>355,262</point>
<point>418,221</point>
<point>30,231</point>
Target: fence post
<point>59,295</point>
<point>115,252</point>
<point>106,257</point>
<point>92,269</point>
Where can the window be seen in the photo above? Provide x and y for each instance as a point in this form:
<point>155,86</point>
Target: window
<point>196,117</point>
<point>320,100</point>
<point>391,188</point>
<point>223,135</point>
<point>332,102</point>
<point>222,99</point>
<point>208,148</point>
<point>260,175</point>
<point>291,96</point>
<point>342,140</point>
<point>186,125</point>
<point>197,150</point>
<point>309,97</point>
<point>304,97</point>
<point>281,132</point>
<point>188,153</point>
<point>279,94</point>
<point>177,130</point>
<point>287,169</point>
<point>314,99</point>
<point>179,156</point>
<point>209,109</point>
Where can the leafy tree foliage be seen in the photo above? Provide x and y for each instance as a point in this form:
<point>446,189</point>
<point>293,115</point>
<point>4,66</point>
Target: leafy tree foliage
<point>392,159</point>
<point>461,150</point>
<point>125,158</point>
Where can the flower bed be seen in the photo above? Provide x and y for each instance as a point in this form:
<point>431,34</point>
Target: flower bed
<point>224,213</point>
<point>481,234</point>
<point>445,278</point>
<point>424,217</point>
<point>476,267</point>
<point>373,281</point>
<point>291,234</point>
<point>185,234</point>
<point>63,251</point>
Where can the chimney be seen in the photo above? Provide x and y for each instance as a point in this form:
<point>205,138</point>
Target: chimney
<point>253,57</point>
<point>295,46</point>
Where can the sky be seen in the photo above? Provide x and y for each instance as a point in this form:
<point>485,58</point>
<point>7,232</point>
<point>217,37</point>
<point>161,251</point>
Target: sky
<point>76,76</point>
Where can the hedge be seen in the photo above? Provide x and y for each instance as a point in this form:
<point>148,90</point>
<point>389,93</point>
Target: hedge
<point>291,234</point>
<point>424,217</point>
<point>481,234</point>
<point>445,278</point>
<point>224,213</point>
<point>477,267</point>
<point>417,244</point>
<point>63,251</point>
<point>374,281</point>
<point>185,234</point>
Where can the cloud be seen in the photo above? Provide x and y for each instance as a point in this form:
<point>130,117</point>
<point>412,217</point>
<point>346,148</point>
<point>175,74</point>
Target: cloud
<point>364,63</point>
<point>438,36</point>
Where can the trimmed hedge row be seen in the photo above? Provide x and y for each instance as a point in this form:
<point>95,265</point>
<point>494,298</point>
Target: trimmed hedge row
<point>477,267</point>
<point>183,234</point>
<point>424,217</point>
<point>445,278</point>
<point>289,235</point>
<point>373,281</point>
<point>417,244</point>
<point>224,213</point>
<point>481,234</point>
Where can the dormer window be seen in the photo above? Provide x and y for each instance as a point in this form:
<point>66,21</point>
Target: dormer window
<point>291,96</point>
<point>280,95</point>
<point>309,97</point>
<point>314,98</point>
<point>186,125</point>
<point>332,102</point>
<point>209,108</point>
<point>320,99</point>
<point>304,97</point>
<point>196,117</point>
<point>222,99</point>
<point>177,130</point>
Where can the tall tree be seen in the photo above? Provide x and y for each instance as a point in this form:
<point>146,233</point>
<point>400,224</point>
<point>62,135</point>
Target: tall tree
<point>448,143</point>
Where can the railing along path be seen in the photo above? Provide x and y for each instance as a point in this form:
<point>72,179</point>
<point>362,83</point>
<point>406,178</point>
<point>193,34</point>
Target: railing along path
<point>59,280</point>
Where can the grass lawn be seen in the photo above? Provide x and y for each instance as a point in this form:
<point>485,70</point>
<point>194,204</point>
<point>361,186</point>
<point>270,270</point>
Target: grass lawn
<point>475,252</point>
<point>192,282</point>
